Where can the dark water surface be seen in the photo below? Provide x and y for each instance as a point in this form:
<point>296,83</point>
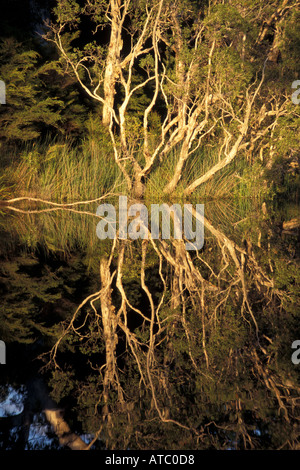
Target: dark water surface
<point>123,344</point>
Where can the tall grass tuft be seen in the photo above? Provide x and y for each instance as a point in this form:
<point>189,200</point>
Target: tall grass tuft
<point>64,171</point>
<point>160,177</point>
<point>221,186</point>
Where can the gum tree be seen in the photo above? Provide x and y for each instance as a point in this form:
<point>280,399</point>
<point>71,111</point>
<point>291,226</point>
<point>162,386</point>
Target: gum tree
<point>203,66</point>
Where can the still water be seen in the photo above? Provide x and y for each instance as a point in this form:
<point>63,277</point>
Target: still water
<point>131,344</point>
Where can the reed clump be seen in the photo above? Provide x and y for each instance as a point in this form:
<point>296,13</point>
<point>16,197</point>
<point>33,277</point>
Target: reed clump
<point>64,171</point>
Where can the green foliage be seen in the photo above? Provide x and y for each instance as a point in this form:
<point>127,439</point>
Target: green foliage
<point>290,45</point>
<point>284,173</point>
<point>287,279</point>
<point>24,297</point>
<point>251,183</point>
<point>67,11</point>
<point>225,23</point>
<point>29,109</point>
<point>64,384</point>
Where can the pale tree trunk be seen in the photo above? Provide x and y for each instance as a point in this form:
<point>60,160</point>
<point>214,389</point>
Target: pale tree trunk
<point>216,168</point>
<point>112,60</point>
<point>190,125</point>
<point>181,102</point>
<point>110,323</point>
<point>182,82</point>
<point>179,257</point>
<point>179,167</point>
<point>139,186</point>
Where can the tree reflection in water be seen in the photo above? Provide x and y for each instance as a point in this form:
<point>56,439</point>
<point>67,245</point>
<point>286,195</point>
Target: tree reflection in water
<point>170,349</point>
